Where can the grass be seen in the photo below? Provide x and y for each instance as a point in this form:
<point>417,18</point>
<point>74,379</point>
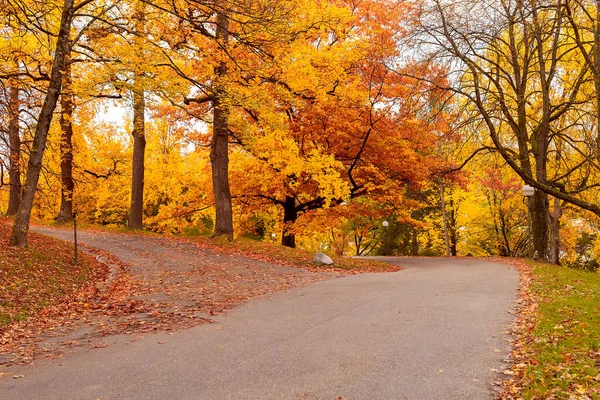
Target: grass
<point>565,342</point>
<point>38,276</point>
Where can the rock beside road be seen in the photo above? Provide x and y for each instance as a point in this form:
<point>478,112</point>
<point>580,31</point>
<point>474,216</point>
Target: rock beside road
<point>322,258</point>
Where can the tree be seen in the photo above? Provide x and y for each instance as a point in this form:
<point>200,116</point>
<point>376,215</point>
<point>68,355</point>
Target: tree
<point>139,150</point>
<point>14,140</point>
<point>62,47</point>
<point>66,146</point>
<point>239,49</point>
<point>361,130</point>
<point>21,224</point>
<point>139,136</point>
<point>219,146</point>
<point>509,68</point>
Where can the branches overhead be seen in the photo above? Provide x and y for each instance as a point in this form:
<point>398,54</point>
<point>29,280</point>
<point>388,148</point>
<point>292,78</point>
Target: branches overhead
<point>509,64</point>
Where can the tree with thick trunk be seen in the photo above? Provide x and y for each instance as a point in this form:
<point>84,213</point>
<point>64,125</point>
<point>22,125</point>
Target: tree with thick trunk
<point>219,147</point>
<point>509,76</point>
<point>66,148</point>
<point>136,210</point>
<point>290,215</point>
<point>21,225</point>
<point>14,139</point>
<point>139,151</point>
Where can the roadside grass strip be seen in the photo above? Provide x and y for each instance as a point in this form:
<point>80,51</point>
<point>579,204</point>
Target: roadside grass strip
<point>561,356</point>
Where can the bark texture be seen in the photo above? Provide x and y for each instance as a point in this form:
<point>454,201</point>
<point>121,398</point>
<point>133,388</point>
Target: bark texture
<point>139,153</point>
<point>219,148</point>
<point>555,232</point>
<point>290,215</point>
<point>66,149</point>
<point>445,218</point>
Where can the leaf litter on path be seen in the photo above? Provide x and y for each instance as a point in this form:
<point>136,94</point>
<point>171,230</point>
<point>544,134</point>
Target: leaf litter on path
<point>149,285</point>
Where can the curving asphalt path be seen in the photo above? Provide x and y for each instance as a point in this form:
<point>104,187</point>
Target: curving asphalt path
<point>432,331</point>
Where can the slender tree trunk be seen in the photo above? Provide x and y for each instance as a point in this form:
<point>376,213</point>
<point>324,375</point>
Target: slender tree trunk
<point>596,73</point>
<point>66,148</point>
<point>453,231</point>
<point>219,148</point>
<point>139,151</point>
<point>414,248</point>
<point>290,215</point>
<point>505,233</point>
<point>555,232</point>
<point>444,219</point>
<point>14,138</point>
<point>21,225</point>
<point>358,244</point>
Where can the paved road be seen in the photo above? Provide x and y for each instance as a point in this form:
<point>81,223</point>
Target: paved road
<point>427,332</point>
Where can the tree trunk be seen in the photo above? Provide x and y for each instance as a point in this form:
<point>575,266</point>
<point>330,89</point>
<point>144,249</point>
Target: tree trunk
<point>453,231</point>
<point>596,73</point>
<point>66,148</point>
<point>414,248</point>
<point>290,215</point>
<point>540,146</point>
<point>219,147</point>
<point>21,225</point>
<point>445,219</point>
<point>555,232</point>
<point>139,150</point>
<point>14,139</point>
<point>538,209</point>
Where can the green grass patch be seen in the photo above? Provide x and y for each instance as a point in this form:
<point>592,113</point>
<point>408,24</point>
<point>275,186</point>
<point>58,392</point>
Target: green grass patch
<point>565,343</point>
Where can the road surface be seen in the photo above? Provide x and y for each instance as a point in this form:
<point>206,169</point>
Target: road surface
<point>434,330</point>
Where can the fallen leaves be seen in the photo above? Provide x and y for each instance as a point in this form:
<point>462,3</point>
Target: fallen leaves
<point>159,284</point>
<point>556,334</point>
<point>40,276</point>
<point>521,329</point>
<point>285,256</point>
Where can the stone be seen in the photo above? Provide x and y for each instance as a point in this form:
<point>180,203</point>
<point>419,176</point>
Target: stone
<point>322,258</point>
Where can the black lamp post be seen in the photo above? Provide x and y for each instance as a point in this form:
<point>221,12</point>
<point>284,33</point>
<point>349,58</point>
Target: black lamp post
<point>75,235</point>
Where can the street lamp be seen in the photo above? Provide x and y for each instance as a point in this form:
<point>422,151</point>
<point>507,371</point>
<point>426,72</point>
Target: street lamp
<point>528,192</point>
<point>385,224</point>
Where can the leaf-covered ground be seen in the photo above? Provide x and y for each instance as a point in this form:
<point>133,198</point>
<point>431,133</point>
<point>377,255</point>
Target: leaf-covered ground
<point>557,335</point>
<point>259,250</point>
<point>141,284</point>
<point>278,254</point>
<point>39,276</point>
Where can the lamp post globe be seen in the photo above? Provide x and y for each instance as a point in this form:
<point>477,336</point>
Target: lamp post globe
<point>528,191</point>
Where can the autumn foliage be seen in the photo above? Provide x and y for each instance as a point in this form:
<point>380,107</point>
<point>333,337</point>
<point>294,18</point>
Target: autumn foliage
<point>310,121</point>
<point>43,275</point>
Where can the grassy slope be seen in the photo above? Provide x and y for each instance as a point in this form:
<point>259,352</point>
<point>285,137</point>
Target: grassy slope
<point>267,251</point>
<point>565,343</point>
<point>278,254</point>
<point>41,275</point>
